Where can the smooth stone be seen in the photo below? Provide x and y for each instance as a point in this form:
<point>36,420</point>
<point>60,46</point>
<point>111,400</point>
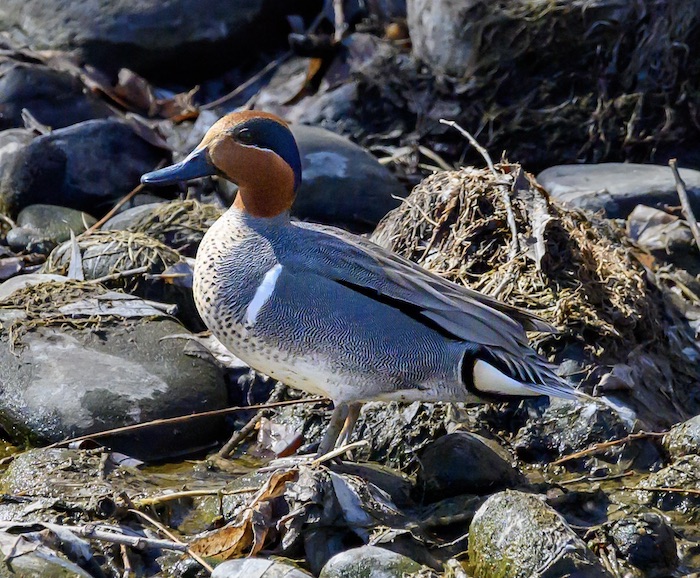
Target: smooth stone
<point>85,167</point>
<point>13,140</point>
<point>647,543</point>
<point>464,463</point>
<point>129,218</point>
<point>617,188</point>
<point>683,438</point>
<point>515,534</point>
<point>342,184</point>
<point>62,382</point>
<point>55,98</point>
<point>257,568</point>
<point>47,224</point>
<point>370,562</point>
<point>185,38</point>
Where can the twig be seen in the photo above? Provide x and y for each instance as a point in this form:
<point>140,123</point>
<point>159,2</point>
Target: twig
<point>92,531</point>
<point>605,445</point>
<point>691,491</point>
<point>482,151</point>
<point>120,274</point>
<point>137,189</point>
<point>182,418</point>
<point>155,500</point>
<point>339,452</point>
<point>244,85</point>
<point>170,535</point>
<point>7,220</point>
<point>242,434</point>
<point>685,202</point>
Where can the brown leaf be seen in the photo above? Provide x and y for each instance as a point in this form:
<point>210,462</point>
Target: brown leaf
<point>248,535</point>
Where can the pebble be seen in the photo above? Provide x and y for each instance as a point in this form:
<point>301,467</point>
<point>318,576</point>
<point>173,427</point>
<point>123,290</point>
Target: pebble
<point>257,568</point>
<point>617,188</point>
<point>86,166</point>
<point>464,463</point>
<point>48,225</point>
<point>370,562</point>
<point>515,534</point>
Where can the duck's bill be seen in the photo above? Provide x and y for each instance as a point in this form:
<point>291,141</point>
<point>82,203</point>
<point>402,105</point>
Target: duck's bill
<point>196,165</point>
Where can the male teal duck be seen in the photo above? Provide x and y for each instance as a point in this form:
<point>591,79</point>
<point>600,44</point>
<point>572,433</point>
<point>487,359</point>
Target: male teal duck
<point>333,314</point>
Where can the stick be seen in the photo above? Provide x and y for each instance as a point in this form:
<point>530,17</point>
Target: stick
<point>605,445</point>
<point>685,202</point>
<point>242,434</point>
<point>170,535</point>
<point>155,500</point>
<point>182,418</point>
<point>692,491</point>
<point>484,153</point>
<point>137,189</point>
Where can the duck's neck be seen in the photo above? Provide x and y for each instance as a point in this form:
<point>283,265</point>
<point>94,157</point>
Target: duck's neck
<point>264,201</point>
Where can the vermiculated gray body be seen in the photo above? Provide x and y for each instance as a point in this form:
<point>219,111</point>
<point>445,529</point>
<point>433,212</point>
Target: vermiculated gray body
<point>284,298</point>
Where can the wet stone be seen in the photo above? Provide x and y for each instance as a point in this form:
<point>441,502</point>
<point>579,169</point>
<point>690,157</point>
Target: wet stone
<point>683,438</point>
<point>86,166</point>
<point>55,98</point>
<point>88,364</point>
<point>517,535</point>
<point>257,568</point>
<point>646,543</point>
<point>46,226</point>
<point>370,562</point>
<point>684,473</point>
<point>566,427</point>
<point>617,188</point>
<point>464,463</point>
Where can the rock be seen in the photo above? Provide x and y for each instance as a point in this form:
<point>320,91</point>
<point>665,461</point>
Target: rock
<point>617,188</point>
<point>646,542</point>
<point>342,184</point>
<point>683,438</point>
<point>97,360</point>
<point>85,166</point>
<point>125,220</point>
<point>517,535</point>
<point>11,141</point>
<point>370,562</point>
<point>176,39</point>
<point>681,474</point>
<point>46,226</point>
<point>464,463</point>
<point>55,98</point>
<point>257,568</point>
<point>566,427</point>
<point>16,283</point>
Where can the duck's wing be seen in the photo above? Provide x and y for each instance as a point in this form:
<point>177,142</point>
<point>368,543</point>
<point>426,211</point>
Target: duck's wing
<point>453,309</point>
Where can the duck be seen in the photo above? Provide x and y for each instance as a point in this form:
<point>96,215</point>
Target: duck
<point>332,313</point>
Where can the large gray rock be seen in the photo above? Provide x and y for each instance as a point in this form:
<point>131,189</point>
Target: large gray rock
<point>257,568</point>
<point>617,188</point>
<point>147,35</point>
<point>342,183</point>
<point>683,438</point>
<point>72,378</point>
<point>517,535</point>
<point>370,562</point>
<point>53,97</point>
<point>86,167</point>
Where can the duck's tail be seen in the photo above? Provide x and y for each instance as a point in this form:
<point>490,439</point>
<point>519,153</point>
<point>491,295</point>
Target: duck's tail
<point>501,377</point>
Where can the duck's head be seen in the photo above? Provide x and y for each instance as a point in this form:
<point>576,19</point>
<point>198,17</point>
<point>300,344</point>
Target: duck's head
<point>253,149</point>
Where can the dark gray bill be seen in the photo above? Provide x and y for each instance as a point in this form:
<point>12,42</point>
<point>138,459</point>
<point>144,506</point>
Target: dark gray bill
<point>196,165</point>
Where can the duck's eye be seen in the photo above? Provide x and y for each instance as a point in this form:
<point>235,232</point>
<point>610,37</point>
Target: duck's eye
<point>244,135</point>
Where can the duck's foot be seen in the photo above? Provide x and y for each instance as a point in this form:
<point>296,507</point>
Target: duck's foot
<point>340,427</point>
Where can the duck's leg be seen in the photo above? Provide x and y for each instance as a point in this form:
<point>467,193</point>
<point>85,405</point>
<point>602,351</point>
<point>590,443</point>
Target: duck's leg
<point>350,421</point>
<point>340,414</point>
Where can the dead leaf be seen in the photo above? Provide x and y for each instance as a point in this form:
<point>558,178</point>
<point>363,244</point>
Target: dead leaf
<point>249,533</point>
